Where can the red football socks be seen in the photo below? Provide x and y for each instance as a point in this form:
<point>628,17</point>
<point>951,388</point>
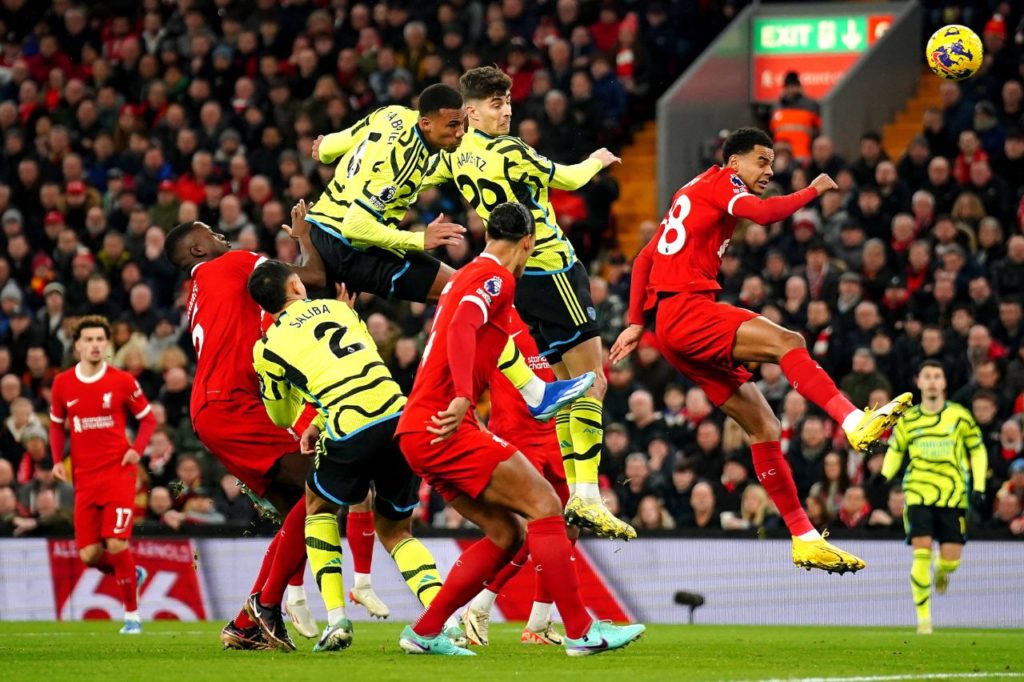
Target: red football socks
<point>360,535</point>
<point>552,559</point>
<point>104,564</point>
<point>508,570</point>
<point>813,383</point>
<point>124,575</point>
<point>774,474</point>
<point>289,556</point>
<point>482,560</point>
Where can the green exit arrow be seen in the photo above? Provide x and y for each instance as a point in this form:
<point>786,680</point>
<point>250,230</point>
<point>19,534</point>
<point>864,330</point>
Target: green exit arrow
<point>810,35</point>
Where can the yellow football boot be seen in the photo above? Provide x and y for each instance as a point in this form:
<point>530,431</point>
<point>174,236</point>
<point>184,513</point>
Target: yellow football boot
<point>876,422</point>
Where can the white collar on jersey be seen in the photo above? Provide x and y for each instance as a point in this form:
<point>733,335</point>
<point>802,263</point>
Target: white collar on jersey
<point>196,267</point>
<point>491,256</point>
<point>94,378</point>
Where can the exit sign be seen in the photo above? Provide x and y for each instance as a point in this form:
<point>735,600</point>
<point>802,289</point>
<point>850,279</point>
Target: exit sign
<point>821,49</point>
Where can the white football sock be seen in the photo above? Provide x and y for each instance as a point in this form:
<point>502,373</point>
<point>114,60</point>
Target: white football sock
<point>588,491</point>
<point>295,594</point>
<point>810,535</point>
<point>131,615</point>
<point>362,580</point>
<point>540,615</point>
<point>483,602</point>
<point>335,615</point>
<point>852,419</point>
<point>533,392</point>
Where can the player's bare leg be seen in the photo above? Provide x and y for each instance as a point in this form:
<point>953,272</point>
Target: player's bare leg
<point>810,550</point>
<point>516,486</point>
<point>360,534</point>
<point>580,430</point>
<point>761,340</point>
<point>444,273</point>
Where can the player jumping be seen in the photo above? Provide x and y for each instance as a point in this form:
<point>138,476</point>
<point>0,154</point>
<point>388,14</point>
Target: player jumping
<point>484,478</point>
<point>554,294</point>
<point>674,277</point>
<point>95,400</point>
<point>228,415</point>
<point>382,160</point>
<point>947,457</point>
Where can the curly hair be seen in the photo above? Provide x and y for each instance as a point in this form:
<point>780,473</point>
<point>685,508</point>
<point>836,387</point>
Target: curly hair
<point>91,322</point>
<point>484,82</point>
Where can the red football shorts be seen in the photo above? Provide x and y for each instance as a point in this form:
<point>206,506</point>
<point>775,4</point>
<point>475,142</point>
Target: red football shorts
<point>547,458</point>
<point>105,510</point>
<point>696,335</point>
<point>462,464</point>
<point>241,436</point>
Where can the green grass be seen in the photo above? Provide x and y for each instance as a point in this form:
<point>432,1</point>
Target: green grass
<point>190,652</point>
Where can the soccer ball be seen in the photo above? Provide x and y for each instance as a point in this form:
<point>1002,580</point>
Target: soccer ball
<point>954,52</point>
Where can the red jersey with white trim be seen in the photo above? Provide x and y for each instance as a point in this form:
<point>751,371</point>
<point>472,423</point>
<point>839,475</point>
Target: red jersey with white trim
<point>96,410</point>
<point>510,417</point>
<point>225,323</point>
<point>485,283</point>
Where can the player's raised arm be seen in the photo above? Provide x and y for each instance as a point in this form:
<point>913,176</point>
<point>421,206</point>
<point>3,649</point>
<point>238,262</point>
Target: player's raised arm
<point>766,211</point>
<point>312,271</point>
<point>575,176</point>
<point>328,148</point>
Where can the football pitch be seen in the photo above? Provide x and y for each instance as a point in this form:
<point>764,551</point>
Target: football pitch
<point>88,651</point>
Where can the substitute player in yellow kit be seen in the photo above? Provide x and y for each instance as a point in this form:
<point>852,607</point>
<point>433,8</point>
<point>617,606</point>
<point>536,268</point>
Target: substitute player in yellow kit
<point>947,468</point>
<point>490,167</point>
<point>319,351</point>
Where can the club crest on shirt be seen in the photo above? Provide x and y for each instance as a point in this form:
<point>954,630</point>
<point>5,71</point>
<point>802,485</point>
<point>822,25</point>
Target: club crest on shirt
<point>107,399</point>
<point>493,286</point>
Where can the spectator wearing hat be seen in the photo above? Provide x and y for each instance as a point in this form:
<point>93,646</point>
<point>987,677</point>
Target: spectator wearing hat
<point>796,119</point>
<point>164,212</point>
<point>50,316</point>
<point>34,442</point>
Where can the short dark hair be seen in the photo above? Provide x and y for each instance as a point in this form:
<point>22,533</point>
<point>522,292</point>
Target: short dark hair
<point>743,140</point>
<point>175,238</point>
<point>931,363</point>
<point>871,135</point>
<point>510,221</point>
<point>91,322</point>
<point>437,97</point>
<point>485,82</point>
<point>266,284</point>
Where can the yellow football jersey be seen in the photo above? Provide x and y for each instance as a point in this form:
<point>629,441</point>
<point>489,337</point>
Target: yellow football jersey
<point>320,352</point>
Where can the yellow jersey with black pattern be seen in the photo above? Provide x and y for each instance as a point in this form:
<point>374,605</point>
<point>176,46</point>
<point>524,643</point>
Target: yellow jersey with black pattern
<point>321,352</point>
<point>492,170</point>
<point>381,162</point>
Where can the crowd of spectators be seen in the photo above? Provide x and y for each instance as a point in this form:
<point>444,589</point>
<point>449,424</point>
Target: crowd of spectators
<point>121,119</point>
<point>118,124</point>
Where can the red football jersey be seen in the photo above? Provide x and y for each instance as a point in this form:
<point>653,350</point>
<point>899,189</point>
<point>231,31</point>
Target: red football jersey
<point>695,232</point>
<point>483,282</point>
<point>510,418</point>
<point>96,409</point>
<point>225,324</point>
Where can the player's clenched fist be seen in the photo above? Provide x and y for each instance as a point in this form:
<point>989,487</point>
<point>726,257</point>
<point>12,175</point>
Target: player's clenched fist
<point>824,183</point>
<point>605,157</point>
<point>439,233</point>
<point>307,442</point>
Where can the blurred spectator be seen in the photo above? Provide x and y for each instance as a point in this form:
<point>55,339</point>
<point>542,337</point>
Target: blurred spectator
<point>796,119</point>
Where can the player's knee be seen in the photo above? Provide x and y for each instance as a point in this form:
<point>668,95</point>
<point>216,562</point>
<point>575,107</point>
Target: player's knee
<point>545,504</point>
<point>116,546</point>
<point>90,555</point>
<point>318,505</point>
<point>390,533</point>
<point>790,340</point>
<point>508,536</point>
<point>600,386</point>
<point>767,429</point>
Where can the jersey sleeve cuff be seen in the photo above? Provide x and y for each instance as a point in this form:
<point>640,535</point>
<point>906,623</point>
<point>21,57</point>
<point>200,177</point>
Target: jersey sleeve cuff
<point>732,202</point>
<point>55,419</point>
<point>476,300</point>
<point>144,412</point>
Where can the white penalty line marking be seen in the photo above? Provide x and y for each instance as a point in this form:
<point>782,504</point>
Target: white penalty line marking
<point>895,678</point>
<point>166,633</point>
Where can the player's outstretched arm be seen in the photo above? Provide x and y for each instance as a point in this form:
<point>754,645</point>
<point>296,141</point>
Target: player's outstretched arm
<point>327,148</point>
<point>767,211</point>
<point>312,271</point>
<point>575,176</point>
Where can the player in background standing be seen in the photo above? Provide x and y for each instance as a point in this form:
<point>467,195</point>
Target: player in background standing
<point>553,295</point>
<point>382,160</point>
<point>674,277</point>
<point>511,421</point>
<point>947,459</point>
<point>481,476</point>
<point>95,400</point>
<point>228,415</point>
<point>300,358</point>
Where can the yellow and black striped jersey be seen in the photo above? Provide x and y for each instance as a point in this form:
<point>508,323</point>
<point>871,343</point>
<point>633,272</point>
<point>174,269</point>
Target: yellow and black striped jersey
<point>320,352</point>
<point>947,456</point>
<point>383,160</point>
<point>492,170</point>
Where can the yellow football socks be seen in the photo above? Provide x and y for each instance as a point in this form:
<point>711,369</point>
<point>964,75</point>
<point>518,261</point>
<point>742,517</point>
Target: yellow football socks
<point>921,583</point>
<point>323,549</point>
<point>562,431</point>
<point>587,431</point>
<point>418,568</point>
